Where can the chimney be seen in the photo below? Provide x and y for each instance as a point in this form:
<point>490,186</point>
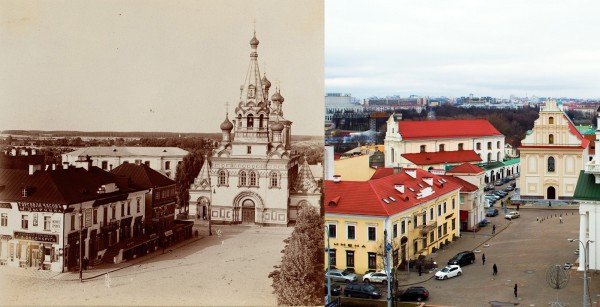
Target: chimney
<point>411,172</point>
<point>337,178</point>
<point>428,180</point>
<point>34,167</point>
<point>399,187</point>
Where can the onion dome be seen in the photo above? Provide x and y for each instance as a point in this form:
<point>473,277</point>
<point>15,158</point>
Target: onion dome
<point>266,82</point>
<point>226,125</point>
<point>254,41</point>
<point>278,126</point>
<point>276,97</point>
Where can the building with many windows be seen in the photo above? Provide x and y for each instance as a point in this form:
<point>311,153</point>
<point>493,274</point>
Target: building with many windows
<point>51,219</point>
<point>552,156</point>
<point>162,159</point>
<point>253,177</point>
<point>418,210</point>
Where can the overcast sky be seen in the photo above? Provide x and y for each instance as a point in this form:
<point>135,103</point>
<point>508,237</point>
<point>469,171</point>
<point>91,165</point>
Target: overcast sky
<point>154,65</point>
<point>454,48</point>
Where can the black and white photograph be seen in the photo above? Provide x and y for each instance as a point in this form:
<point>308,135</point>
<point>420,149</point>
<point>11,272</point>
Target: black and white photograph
<point>161,153</point>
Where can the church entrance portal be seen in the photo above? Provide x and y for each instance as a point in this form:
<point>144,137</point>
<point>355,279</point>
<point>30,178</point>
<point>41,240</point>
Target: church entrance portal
<point>551,193</point>
<point>248,216</point>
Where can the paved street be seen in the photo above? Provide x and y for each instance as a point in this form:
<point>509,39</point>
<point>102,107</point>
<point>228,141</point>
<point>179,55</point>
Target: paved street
<point>228,270</point>
<point>523,250</point>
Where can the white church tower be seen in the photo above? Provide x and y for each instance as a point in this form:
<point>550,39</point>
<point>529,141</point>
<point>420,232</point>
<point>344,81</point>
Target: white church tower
<point>252,173</point>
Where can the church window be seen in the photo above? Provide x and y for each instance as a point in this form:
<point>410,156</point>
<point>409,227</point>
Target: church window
<point>489,147</point>
<point>551,139</point>
<point>249,150</point>
<point>242,178</point>
<point>274,180</point>
<point>253,179</point>
<point>251,90</point>
<point>423,148</point>
<point>392,155</point>
<point>239,121</point>
<point>551,120</point>
<point>250,122</point>
<point>261,121</point>
<point>478,146</point>
<point>551,164</point>
<point>489,157</point>
<point>498,144</point>
<point>222,177</point>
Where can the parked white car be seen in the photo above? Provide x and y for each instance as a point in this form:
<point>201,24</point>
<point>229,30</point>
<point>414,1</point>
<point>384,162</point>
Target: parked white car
<point>512,215</point>
<point>379,277</point>
<point>448,272</point>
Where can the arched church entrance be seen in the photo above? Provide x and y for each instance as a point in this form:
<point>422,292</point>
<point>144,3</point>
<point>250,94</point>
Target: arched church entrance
<point>248,212</point>
<point>551,193</point>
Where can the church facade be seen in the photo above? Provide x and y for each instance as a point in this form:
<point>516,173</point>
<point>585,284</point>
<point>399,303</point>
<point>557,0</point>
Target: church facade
<point>552,156</point>
<point>253,177</point>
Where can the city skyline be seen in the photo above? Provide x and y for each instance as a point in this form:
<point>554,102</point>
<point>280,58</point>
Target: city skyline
<point>453,49</point>
<point>158,66</point>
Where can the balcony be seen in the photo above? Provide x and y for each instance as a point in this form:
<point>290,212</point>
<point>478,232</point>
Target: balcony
<point>425,229</point>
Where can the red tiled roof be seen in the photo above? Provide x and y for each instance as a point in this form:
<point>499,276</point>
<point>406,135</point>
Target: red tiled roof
<point>366,197</point>
<point>440,129</point>
<point>591,138</point>
<point>466,168</point>
<point>381,172</point>
<point>427,158</point>
<point>466,186</point>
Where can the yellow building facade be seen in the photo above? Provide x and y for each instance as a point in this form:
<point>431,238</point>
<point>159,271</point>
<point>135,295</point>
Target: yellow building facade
<point>419,214</point>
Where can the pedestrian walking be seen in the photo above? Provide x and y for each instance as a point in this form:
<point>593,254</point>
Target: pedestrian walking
<point>420,270</point>
<point>515,290</point>
<point>494,229</point>
<point>483,258</point>
<point>549,204</point>
<point>495,268</point>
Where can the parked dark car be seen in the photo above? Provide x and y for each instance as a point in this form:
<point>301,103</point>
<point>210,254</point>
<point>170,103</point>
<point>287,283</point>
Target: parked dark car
<point>500,193</point>
<point>498,183</point>
<point>491,212</point>
<point>489,187</point>
<point>335,289</point>
<point>509,188</point>
<point>363,290</point>
<point>463,258</point>
<point>413,294</point>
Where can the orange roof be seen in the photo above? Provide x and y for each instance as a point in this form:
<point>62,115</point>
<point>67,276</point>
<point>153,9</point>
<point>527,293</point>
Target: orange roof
<point>591,138</point>
<point>466,168</point>
<point>428,158</point>
<point>466,186</point>
<point>379,197</point>
<point>440,129</point>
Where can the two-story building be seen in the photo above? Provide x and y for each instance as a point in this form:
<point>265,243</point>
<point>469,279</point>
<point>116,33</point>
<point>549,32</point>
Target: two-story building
<point>418,210</point>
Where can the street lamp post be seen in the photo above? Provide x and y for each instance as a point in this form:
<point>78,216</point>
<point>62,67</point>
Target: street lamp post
<point>585,266</point>
<point>408,241</point>
<point>80,246</point>
<point>328,267</point>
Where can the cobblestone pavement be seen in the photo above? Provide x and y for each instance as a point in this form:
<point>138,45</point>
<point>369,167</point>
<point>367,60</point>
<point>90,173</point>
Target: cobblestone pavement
<point>230,269</point>
<point>523,249</point>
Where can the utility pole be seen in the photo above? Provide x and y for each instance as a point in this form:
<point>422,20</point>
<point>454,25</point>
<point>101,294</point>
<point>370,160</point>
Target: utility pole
<point>80,245</point>
<point>386,253</point>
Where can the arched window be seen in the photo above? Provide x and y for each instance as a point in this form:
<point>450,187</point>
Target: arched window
<point>392,155</point>
<point>551,139</point>
<point>489,157</point>
<point>242,178</point>
<point>239,121</point>
<point>250,122</point>
<point>274,180</point>
<point>252,179</point>
<point>551,164</point>
<point>260,121</point>
<point>222,177</point>
<point>498,144</point>
<point>551,120</point>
